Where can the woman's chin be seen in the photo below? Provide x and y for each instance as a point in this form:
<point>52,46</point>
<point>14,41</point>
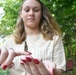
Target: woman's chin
<point>32,26</point>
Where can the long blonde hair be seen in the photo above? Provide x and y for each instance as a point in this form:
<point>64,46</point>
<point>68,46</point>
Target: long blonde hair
<point>48,26</point>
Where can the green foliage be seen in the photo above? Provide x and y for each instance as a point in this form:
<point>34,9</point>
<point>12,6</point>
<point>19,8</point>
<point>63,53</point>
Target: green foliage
<point>4,72</point>
<point>8,22</point>
<point>65,13</point>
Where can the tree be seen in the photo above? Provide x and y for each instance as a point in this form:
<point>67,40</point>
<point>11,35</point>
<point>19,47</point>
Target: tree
<point>64,12</point>
<point>8,22</point>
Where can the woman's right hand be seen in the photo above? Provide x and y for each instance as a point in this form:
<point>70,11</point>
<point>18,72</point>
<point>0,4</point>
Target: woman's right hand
<point>6,57</point>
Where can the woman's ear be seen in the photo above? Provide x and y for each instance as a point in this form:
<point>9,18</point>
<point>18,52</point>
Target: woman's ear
<point>20,14</point>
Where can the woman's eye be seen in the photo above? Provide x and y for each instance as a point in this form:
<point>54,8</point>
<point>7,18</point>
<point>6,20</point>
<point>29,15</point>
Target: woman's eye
<point>36,10</point>
<point>26,10</point>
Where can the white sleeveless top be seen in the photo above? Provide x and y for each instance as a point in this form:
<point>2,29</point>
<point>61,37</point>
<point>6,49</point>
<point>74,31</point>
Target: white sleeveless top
<point>41,49</point>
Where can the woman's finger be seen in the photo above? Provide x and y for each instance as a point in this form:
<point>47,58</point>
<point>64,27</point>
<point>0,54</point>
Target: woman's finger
<point>3,55</point>
<point>33,66</point>
<point>42,69</point>
<point>7,56</point>
<point>12,54</point>
<point>50,66</point>
<point>0,51</point>
<point>23,53</point>
<point>26,66</point>
<point>11,65</point>
<point>8,61</point>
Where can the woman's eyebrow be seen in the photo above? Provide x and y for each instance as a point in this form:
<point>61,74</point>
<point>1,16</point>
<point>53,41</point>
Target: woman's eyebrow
<point>31,7</point>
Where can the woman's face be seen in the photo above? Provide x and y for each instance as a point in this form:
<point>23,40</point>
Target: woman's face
<point>31,13</point>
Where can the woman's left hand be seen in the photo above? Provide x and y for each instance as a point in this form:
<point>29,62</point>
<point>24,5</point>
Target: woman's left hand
<point>34,66</point>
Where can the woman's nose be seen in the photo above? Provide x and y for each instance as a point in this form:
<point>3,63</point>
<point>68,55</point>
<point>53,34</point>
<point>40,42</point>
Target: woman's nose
<point>31,12</point>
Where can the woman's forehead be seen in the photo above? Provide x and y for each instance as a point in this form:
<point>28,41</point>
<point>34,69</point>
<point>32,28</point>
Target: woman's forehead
<point>31,3</point>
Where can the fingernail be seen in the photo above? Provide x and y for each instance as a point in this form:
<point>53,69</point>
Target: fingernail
<point>4,67</point>
<point>28,59</point>
<point>23,60</point>
<point>36,61</point>
<point>29,52</point>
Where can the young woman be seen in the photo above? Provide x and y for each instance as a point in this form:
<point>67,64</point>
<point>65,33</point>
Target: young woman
<point>36,46</point>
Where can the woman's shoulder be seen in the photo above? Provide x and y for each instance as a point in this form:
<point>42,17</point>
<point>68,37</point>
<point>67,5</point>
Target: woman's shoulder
<point>9,40</point>
<point>57,40</point>
<point>57,37</point>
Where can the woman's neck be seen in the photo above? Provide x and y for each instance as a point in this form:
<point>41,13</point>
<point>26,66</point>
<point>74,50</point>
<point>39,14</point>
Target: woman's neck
<point>32,31</point>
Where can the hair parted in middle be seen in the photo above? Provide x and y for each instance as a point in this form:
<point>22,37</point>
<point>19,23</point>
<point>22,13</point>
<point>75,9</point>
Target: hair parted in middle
<point>47,26</point>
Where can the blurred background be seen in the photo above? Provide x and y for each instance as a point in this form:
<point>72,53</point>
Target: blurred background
<point>64,11</point>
